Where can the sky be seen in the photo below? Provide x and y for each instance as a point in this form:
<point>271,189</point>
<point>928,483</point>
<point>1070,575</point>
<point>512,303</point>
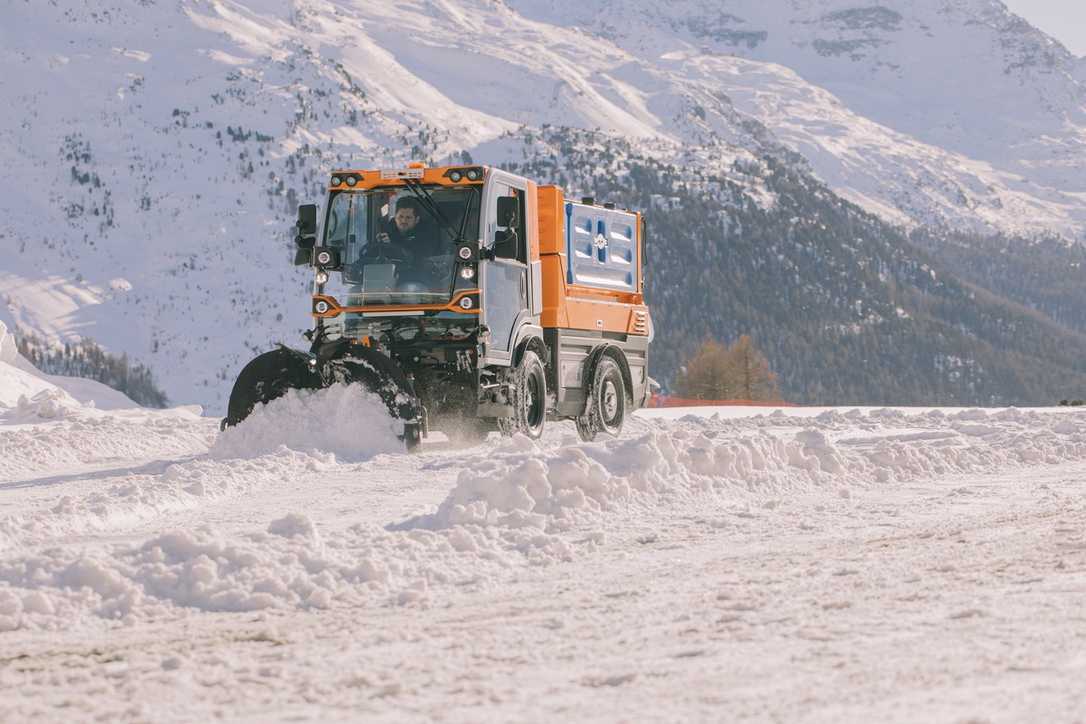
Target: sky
<point>1064,20</point>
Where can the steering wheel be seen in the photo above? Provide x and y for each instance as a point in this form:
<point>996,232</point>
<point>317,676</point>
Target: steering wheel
<point>378,251</point>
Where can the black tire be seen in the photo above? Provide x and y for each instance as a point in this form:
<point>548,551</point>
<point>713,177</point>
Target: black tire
<point>269,377</point>
<point>529,398</point>
<point>585,429</point>
<point>606,409</point>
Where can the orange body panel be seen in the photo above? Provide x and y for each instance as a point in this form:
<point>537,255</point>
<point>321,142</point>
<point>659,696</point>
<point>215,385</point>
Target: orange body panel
<point>552,220</point>
<point>531,201</point>
<point>568,306</point>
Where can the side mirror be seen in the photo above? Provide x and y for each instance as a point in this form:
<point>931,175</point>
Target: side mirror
<point>508,211</point>
<point>305,237</point>
<point>307,222</point>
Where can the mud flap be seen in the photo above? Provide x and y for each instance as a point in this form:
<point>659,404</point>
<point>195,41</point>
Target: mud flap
<point>412,435</point>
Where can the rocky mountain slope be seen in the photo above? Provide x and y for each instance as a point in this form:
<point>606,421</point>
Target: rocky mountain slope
<point>155,151</point>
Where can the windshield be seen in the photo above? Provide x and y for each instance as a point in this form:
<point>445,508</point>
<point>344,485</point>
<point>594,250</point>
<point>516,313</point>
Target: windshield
<point>396,246</point>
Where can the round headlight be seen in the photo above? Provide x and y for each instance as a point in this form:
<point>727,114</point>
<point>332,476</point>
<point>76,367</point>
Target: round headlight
<point>466,303</point>
<point>321,307</point>
<point>352,180</point>
<point>464,252</point>
<point>467,273</point>
<point>473,174</point>
<point>336,180</point>
<point>455,176</point>
<point>322,277</point>
<point>324,257</point>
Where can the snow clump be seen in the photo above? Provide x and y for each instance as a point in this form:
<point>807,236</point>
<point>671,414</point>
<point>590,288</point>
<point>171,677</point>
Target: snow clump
<point>345,420</point>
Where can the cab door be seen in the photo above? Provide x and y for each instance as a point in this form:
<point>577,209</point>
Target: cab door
<point>504,278</point>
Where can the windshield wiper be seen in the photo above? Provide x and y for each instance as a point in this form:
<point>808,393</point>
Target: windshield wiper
<point>464,218</point>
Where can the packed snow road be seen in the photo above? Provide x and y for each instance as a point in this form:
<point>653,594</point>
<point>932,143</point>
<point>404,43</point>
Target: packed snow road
<point>803,565</point>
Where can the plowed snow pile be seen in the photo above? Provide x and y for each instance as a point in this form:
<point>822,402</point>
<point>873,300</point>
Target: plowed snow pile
<point>518,505</point>
<point>344,420</point>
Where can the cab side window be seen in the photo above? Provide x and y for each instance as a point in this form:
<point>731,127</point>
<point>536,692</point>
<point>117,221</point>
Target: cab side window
<point>510,239</point>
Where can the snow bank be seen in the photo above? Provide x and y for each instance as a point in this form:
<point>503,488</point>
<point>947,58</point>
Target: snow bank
<point>526,485</point>
<point>46,430</point>
<point>34,451</point>
<point>524,504</point>
<point>344,420</point>
<point>288,565</point>
<point>16,382</point>
<point>139,494</point>
<point>51,403</point>
<point>19,379</point>
<point>558,489</point>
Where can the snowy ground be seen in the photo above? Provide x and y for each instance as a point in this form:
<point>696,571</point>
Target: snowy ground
<point>805,565</point>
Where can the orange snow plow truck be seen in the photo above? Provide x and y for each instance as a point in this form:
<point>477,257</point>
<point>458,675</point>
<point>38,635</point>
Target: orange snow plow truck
<point>469,299</point>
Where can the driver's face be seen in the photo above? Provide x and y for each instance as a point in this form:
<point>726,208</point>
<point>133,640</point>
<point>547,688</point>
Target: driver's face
<point>406,219</point>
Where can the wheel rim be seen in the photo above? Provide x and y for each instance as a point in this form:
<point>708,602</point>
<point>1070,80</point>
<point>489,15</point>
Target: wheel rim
<point>609,401</point>
<point>533,403</point>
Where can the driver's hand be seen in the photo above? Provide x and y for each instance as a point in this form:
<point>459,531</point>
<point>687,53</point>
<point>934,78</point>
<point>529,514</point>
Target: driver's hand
<point>383,237</point>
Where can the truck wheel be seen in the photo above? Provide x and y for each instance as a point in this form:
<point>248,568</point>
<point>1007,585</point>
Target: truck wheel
<point>585,429</point>
<point>606,403</point>
<point>529,398</point>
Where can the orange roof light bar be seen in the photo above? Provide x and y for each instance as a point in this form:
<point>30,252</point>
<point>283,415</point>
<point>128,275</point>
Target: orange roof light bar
<point>348,179</point>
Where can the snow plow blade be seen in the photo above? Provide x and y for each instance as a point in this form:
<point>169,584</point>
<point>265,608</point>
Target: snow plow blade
<point>267,378</point>
<point>273,374</point>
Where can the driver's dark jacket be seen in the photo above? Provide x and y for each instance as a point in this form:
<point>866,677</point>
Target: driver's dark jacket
<point>422,241</point>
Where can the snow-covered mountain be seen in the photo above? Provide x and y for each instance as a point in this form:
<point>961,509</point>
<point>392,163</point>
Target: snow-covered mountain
<point>155,151</point>
<point>923,110</point>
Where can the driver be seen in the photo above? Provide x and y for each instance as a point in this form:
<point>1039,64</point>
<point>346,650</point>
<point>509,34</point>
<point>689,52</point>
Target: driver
<point>407,231</point>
